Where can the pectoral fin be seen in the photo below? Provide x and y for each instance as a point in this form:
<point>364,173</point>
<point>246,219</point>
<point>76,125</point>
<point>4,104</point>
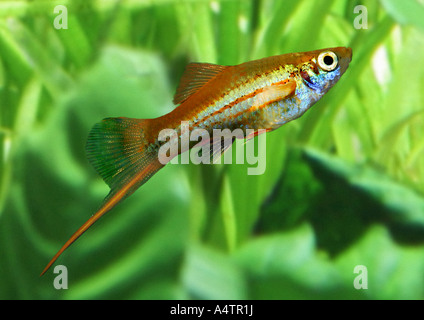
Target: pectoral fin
<point>275,92</point>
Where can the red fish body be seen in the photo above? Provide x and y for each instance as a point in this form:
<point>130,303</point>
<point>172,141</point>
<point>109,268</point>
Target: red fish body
<point>260,94</point>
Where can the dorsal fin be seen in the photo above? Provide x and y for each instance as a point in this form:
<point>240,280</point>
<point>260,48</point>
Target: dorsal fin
<point>195,76</point>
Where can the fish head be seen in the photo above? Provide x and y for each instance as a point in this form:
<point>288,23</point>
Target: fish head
<point>323,68</point>
<point>313,73</point>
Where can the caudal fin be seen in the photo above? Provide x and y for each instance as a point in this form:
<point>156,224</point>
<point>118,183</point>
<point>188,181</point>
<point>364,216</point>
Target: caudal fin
<point>119,150</point>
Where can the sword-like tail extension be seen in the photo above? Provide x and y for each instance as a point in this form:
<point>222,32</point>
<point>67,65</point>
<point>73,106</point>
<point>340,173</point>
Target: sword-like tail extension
<point>118,148</point>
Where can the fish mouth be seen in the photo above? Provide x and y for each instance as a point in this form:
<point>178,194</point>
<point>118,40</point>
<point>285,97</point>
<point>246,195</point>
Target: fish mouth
<point>346,53</point>
<point>345,57</point>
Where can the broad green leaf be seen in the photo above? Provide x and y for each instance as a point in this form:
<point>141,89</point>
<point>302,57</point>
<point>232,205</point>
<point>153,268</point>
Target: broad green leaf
<point>208,274</point>
<point>286,266</point>
<point>392,271</point>
<point>373,194</point>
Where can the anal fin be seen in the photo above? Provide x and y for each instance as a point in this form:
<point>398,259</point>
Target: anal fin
<point>218,147</point>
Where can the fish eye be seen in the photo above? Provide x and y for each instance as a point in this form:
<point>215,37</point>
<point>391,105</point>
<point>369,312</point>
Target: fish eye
<point>328,61</point>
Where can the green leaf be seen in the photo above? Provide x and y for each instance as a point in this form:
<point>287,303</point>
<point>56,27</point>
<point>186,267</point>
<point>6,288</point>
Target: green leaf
<point>372,194</point>
<point>393,271</point>
<point>208,274</point>
<point>292,197</point>
<point>286,266</point>
<point>407,12</point>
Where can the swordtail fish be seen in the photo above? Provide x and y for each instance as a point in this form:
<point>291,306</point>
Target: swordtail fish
<point>261,94</point>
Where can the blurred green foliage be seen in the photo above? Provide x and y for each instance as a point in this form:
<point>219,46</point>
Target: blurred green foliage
<point>343,184</point>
